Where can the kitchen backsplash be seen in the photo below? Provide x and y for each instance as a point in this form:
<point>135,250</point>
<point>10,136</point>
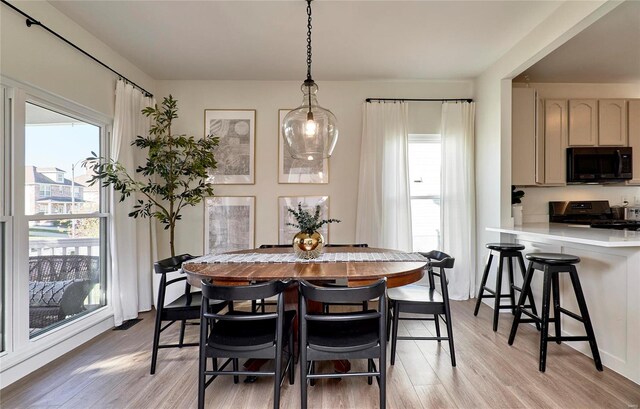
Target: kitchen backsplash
<point>536,199</point>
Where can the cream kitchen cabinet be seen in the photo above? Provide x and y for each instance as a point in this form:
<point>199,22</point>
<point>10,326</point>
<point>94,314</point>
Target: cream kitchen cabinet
<point>612,124</point>
<point>543,129</point>
<point>583,122</point>
<point>555,141</point>
<point>527,143</point>
<point>634,138</point>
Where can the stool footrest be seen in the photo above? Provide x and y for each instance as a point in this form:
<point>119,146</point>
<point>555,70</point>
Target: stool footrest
<point>424,338</point>
<point>494,296</point>
<point>569,338</point>
<point>571,314</point>
<point>504,307</point>
<point>488,290</point>
<point>534,317</point>
<point>518,289</point>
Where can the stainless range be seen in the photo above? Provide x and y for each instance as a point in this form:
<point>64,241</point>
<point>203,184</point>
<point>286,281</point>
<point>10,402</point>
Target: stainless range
<point>595,213</point>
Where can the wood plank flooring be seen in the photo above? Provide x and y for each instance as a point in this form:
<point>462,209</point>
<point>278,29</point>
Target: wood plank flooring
<point>112,371</point>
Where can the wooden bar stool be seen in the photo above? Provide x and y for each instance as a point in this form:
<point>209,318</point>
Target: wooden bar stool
<point>552,264</point>
<point>507,251</point>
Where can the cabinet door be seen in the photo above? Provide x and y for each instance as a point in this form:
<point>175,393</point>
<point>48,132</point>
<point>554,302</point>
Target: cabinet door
<point>555,141</point>
<point>583,122</point>
<point>613,122</point>
<point>634,139</point>
<point>540,142</point>
<point>523,134</point>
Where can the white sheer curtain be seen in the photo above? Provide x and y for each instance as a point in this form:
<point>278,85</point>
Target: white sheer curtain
<point>132,240</point>
<point>458,196</point>
<point>384,210</point>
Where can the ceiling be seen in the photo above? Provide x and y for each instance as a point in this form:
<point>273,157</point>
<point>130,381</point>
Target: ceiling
<point>608,51</point>
<point>352,40</point>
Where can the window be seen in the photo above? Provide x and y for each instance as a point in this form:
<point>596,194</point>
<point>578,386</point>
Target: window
<point>3,271</point>
<point>424,186</point>
<point>45,190</point>
<point>5,254</point>
<point>67,240</point>
<point>36,230</point>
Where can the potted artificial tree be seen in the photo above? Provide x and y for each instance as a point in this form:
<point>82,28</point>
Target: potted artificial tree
<point>174,176</point>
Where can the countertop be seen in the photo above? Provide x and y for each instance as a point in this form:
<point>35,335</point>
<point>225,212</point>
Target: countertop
<point>575,234</point>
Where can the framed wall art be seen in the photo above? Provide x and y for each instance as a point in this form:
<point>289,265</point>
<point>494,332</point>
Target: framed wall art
<point>292,170</point>
<point>286,233</point>
<point>236,152</point>
<point>229,223</point>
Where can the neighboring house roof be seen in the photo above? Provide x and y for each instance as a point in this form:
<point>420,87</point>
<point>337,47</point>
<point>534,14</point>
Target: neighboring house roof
<point>50,170</point>
<point>34,175</point>
<point>83,180</point>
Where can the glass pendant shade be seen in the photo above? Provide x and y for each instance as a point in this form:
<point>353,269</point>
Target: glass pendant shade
<point>310,132</point>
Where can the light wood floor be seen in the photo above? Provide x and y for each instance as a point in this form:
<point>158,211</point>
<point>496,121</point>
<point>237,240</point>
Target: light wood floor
<point>113,372</point>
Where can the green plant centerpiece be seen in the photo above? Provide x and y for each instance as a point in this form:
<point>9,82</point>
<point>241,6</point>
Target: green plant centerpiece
<point>174,176</point>
<point>308,243</point>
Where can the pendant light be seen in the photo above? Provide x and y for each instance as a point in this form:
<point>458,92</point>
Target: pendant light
<point>310,132</point>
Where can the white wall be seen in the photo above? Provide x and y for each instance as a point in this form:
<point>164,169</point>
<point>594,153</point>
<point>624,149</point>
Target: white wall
<point>344,99</point>
<point>34,57</point>
<point>493,116</point>
<point>535,202</point>
<point>583,91</point>
<point>536,199</point>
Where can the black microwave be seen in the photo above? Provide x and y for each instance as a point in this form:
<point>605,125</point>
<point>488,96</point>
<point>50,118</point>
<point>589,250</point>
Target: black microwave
<point>599,165</point>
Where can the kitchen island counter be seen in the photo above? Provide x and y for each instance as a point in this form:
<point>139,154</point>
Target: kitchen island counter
<point>574,233</point>
<point>609,271</point>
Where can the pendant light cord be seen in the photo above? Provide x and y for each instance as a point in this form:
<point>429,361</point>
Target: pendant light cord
<point>309,40</point>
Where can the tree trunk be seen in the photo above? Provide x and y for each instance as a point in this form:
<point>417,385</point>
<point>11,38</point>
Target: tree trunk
<point>172,228</point>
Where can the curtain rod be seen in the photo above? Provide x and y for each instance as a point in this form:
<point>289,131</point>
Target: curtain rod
<point>33,22</point>
<point>421,99</point>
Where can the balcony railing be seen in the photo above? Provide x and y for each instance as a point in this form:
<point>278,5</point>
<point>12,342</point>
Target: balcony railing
<point>87,293</point>
<point>64,246</point>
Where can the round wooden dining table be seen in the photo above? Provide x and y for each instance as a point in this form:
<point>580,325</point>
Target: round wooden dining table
<point>353,273</point>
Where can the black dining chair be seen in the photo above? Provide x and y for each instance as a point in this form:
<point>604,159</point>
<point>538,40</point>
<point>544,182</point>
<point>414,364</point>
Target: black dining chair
<point>186,307</point>
<point>244,334</point>
<point>337,336</point>
<point>262,304</point>
<point>419,299</point>
<point>364,304</point>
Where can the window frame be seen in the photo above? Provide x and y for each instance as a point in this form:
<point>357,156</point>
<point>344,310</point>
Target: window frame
<point>6,248</point>
<point>427,139</point>
<point>19,347</point>
<point>101,214</point>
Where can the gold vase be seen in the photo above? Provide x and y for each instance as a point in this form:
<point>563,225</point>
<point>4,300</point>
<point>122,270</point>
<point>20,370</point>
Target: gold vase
<point>308,246</point>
